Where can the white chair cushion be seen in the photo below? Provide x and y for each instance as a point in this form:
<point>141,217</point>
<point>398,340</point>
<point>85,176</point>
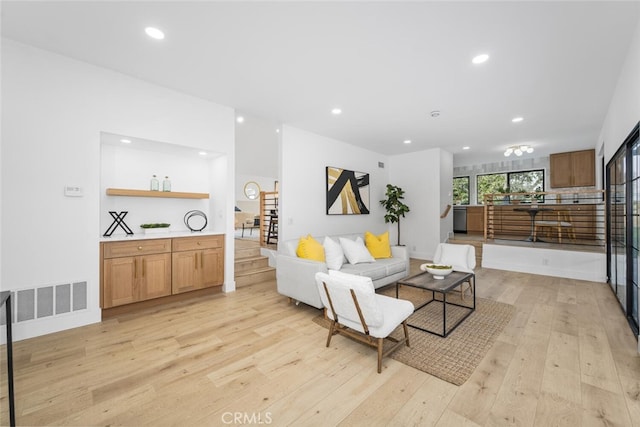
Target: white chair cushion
<point>333,254</point>
<point>461,257</point>
<point>395,311</point>
<point>339,285</point>
<point>355,251</point>
<point>365,293</point>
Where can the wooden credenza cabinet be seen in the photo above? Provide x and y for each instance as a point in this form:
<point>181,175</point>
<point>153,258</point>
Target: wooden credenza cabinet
<point>197,263</point>
<point>573,169</point>
<point>135,271</point>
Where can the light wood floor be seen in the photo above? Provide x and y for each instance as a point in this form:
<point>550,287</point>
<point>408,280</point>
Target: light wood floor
<point>567,358</point>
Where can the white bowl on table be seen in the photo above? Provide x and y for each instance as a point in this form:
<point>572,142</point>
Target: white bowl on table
<point>439,271</point>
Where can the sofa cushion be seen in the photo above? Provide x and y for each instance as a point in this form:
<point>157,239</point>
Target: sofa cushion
<point>355,252</point>
<point>310,248</point>
<point>333,254</point>
<point>374,271</point>
<point>378,246</point>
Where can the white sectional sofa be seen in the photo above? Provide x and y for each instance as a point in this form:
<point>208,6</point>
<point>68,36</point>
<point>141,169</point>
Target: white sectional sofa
<point>296,276</point>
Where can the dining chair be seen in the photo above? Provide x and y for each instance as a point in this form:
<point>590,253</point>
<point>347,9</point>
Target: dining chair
<point>562,221</point>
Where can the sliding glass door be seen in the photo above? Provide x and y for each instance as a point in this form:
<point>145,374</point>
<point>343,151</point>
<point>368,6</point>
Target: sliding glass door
<point>623,237</point>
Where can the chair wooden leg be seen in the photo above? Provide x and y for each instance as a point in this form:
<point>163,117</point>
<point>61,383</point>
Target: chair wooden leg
<point>406,333</point>
<point>380,345</point>
<point>333,324</point>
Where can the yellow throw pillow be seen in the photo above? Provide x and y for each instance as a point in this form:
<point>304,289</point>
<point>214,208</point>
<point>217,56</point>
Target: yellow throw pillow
<point>310,248</point>
<point>378,245</point>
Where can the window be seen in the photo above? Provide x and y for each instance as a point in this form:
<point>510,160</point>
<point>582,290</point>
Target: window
<point>511,182</point>
<point>461,190</point>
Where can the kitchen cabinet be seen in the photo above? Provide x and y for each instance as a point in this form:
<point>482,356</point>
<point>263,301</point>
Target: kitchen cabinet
<point>197,263</point>
<point>136,271</point>
<point>573,169</point>
<point>475,219</point>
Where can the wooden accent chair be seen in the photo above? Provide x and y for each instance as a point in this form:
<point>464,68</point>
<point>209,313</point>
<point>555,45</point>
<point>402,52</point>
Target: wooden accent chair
<point>561,222</point>
<point>356,311</point>
<point>461,258</point>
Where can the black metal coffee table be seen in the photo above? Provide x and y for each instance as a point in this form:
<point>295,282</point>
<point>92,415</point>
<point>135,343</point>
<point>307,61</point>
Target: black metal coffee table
<point>441,286</point>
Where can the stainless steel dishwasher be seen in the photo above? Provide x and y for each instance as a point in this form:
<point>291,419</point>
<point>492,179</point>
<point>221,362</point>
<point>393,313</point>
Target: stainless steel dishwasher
<point>459,219</point>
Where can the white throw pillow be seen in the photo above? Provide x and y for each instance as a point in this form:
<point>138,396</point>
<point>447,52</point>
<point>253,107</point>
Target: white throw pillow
<point>356,252</point>
<point>333,254</point>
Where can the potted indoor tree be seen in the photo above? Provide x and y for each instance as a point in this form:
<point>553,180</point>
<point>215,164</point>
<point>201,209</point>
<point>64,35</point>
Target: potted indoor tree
<point>394,206</point>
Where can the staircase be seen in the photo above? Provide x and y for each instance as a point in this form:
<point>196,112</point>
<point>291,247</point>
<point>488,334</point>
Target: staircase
<point>250,266</point>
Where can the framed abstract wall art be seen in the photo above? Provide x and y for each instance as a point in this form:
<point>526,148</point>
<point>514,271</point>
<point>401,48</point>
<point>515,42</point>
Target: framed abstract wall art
<point>347,192</point>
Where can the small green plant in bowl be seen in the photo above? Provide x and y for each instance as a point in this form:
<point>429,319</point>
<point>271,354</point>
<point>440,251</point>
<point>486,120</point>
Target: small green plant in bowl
<point>439,271</point>
<point>156,228</point>
<point>156,225</point>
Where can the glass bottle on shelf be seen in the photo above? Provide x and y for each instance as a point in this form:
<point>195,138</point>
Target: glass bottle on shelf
<point>155,184</point>
<point>166,184</point>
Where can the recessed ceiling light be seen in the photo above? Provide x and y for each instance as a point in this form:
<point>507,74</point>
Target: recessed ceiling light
<point>202,153</point>
<point>240,119</point>
<point>154,33</point>
<point>336,111</point>
<point>125,141</point>
<point>480,58</point>
<point>517,119</point>
<point>407,141</point>
<point>466,148</point>
<point>435,113</point>
<point>277,130</point>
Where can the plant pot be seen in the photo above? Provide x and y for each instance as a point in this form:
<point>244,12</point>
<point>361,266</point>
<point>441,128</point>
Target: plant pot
<point>158,230</point>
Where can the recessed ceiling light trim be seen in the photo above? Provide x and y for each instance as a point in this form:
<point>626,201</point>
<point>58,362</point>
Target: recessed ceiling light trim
<point>466,147</point>
<point>154,33</point>
<point>407,141</point>
<point>125,141</point>
<point>336,111</point>
<point>240,119</point>
<point>517,119</point>
<point>480,59</point>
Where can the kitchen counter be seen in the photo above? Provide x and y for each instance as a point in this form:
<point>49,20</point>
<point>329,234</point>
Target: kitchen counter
<point>168,235</point>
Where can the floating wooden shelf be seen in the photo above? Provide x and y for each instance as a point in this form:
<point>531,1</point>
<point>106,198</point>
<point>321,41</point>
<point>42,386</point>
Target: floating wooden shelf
<point>162,194</point>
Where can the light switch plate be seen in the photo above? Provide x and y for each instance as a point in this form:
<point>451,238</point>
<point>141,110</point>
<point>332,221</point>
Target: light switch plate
<point>71,191</point>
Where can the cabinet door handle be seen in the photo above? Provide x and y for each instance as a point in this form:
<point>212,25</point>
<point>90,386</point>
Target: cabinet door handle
<point>135,268</point>
<point>144,266</point>
<point>201,261</point>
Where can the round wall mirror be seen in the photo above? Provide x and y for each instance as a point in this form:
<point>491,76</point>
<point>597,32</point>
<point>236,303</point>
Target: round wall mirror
<point>252,190</point>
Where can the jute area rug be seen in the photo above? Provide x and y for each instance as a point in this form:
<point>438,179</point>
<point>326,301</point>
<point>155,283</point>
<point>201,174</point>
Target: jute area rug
<point>454,358</point>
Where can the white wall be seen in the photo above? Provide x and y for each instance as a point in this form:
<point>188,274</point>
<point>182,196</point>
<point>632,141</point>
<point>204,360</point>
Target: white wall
<point>624,110</point>
<point>427,178</point>
<point>127,167</point>
<point>53,111</point>
<point>303,186</point>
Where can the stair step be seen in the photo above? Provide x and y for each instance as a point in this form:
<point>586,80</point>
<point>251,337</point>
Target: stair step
<point>247,252</point>
<point>251,263</point>
<point>255,276</point>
